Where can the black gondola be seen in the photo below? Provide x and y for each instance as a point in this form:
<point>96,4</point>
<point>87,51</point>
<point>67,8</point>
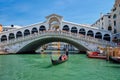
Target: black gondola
<point>114,59</point>
<point>59,61</point>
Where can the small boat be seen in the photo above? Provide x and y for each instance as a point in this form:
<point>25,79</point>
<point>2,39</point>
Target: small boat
<point>114,59</point>
<point>61,59</point>
<point>96,55</point>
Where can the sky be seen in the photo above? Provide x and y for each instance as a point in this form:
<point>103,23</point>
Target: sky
<point>26,12</point>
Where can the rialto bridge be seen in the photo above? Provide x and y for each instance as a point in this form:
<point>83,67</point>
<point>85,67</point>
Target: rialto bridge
<point>30,38</point>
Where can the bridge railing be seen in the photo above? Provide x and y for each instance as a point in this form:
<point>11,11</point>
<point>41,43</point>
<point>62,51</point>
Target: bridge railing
<point>57,33</point>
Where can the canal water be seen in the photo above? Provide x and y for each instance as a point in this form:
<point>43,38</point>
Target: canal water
<point>39,67</point>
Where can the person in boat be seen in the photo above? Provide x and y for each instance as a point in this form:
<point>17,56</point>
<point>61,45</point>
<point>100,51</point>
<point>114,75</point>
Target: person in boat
<point>64,56</point>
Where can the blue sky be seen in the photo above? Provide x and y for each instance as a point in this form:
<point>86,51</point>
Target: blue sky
<point>26,12</point>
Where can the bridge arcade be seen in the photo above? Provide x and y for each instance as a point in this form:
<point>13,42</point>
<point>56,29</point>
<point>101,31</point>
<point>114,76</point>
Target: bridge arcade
<point>55,22</point>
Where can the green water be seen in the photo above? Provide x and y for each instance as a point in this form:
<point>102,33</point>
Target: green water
<point>38,67</point>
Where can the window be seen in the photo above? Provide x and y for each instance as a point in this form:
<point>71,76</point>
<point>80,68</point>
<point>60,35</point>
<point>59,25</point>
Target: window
<point>109,28</point>
<point>115,31</point>
<point>114,16</point>
<point>114,9</point>
<point>114,23</point>
<point>109,16</point>
<point>102,18</point>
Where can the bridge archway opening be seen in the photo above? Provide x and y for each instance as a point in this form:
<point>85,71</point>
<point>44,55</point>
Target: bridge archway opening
<point>42,28</point>
<point>82,31</point>
<point>33,46</point>
<point>26,32</point>
<point>74,29</point>
<point>34,30</point>
<point>98,35</point>
<point>107,37</point>
<point>90,33</point>
<point>11,36</point>
<point>3,38</point>
<point>65,28</point>
<point>18,34</point>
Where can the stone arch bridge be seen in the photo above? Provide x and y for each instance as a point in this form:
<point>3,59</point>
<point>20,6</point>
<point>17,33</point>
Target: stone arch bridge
<point>29,38</point>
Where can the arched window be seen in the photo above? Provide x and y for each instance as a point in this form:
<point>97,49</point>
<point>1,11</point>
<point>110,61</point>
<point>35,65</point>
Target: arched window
<point>82,31</point>
<point>109,28</point>
<point>90,33</point>
<point>34,30</point>
<point>26,32</point>
<point>74,30</point>
<point>42,28</point>
<point>19,34</point>
<point>106,37</point>
<point>66,28</point>
<point>11,36</point>
<point>98,35</point>
<point>3,38</point>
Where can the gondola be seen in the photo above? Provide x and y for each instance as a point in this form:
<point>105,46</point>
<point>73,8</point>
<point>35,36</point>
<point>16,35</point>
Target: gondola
<point>59,60</point>
<point>114,59</point>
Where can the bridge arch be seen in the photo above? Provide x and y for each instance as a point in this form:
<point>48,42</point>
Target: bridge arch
<point>34,45</point>
<point>74,30</point>
<point>98,35</point>
<point>82,31</point>
<point>26,32</point>
<point>42,28</point>
<point>34,30</point>
<point>106,37</point>
<point>3,38</point>
<point>66,28</point>
<point>19,34</point>
<point>90,33</point>
<point>11,36</point>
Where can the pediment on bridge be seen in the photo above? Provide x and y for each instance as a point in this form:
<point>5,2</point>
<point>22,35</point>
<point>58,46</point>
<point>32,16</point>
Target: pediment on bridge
<point>54,21</point>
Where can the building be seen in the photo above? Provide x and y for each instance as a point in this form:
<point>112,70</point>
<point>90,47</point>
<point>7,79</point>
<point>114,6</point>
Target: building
<point>1,28</point>
<point>104,22</point>
<point>110,21</point>
<point>115,16</point>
